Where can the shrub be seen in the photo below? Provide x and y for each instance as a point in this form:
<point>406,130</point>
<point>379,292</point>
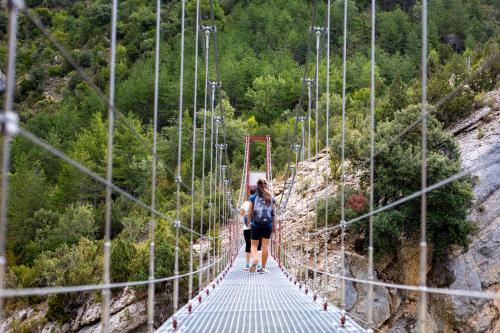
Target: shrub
<point>55,70</point>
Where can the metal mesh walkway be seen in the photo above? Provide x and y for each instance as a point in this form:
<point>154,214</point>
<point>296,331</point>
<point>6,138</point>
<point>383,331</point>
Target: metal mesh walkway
<point>246,302</point>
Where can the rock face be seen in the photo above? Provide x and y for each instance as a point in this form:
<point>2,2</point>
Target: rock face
<point>128,315</point>
<point>299,219</point>
<point>478,268</point>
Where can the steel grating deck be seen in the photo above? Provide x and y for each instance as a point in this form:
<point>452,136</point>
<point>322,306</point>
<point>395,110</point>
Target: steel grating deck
<point>246,302</point>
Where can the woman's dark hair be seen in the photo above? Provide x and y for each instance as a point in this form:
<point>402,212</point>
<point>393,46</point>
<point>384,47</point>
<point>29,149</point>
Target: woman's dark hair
<point>263,192</point>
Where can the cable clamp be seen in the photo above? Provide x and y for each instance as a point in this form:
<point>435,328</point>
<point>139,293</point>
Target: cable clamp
<point>318,30</point>
<point>342,224</point>
<point>178,179</point>
<point>308,81</point>
<point>208,28</point>
<point>9,123</point>
<point>214,84</point>
<point>19,4</point>
<point>177,223</point>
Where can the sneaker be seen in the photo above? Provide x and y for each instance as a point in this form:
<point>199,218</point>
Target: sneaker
<point>263,270</point>
<point>247,267</point>
<point>252,268</point>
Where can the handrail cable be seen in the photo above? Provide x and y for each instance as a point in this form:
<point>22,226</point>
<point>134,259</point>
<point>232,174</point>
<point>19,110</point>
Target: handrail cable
<point>25,292</point>
<point>432,290</point>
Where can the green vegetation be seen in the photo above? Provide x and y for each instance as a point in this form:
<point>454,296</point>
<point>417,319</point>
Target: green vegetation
<point>56,214</point>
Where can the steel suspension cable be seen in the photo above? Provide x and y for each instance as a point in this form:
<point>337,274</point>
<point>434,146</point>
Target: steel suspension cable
<point>152,223</point>
<point>422,306</point>
<point>42,144</point>
<point>370,272</point>
<point>9,129</point>
<point>291,172</point>
<point>215,192</point>
<point>218,80</point>
<point>179,160</point>
<point>491,61</point>
<point>342,159</point>
<point>203,156</point>
<point>193,158</point>
<point>327,139</point>
<point>120,116</point>
<point>106,293</point>
<point>210,211</point>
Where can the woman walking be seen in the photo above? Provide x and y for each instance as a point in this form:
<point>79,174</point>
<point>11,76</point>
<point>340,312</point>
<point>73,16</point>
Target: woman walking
<point>262,214</point>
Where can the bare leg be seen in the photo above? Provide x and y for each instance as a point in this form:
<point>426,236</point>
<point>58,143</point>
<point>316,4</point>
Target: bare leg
<point>255,259</point>
<point>247,257</point>
<point>265,251</point>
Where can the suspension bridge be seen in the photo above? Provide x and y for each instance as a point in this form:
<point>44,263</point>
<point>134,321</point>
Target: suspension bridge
<point>226,298</point>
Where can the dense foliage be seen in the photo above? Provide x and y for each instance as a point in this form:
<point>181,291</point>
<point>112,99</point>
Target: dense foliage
<point>56,214</point>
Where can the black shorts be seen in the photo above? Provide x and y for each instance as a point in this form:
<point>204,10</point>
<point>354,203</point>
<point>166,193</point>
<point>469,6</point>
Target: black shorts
<point>259,233</point>
<point>248,244</point>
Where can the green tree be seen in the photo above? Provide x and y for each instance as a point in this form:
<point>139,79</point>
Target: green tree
<point>397,173</point>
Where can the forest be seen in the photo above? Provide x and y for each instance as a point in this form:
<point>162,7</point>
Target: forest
<point>56,214</point>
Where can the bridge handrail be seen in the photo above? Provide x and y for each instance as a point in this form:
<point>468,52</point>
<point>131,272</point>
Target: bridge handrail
<point>443,291</point>
<point>23,292</point>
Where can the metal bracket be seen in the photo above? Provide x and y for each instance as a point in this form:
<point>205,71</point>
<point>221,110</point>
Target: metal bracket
<point>9,123</point>
<point>309,82</point>
<point>178,179</point>
<point>177,224</point>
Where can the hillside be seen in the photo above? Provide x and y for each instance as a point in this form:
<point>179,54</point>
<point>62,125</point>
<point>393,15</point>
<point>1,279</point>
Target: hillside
<point>473,268</point>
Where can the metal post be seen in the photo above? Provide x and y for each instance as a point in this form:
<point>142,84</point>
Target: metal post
<point>193,160</point>
<point>203,158</point>
<point>372,167</point>
<point>422,306</point>
<point>179,159</point>
<point>9,129</point>
<point>106,293</point>
<point>342,165</point>
<point>152,223</point>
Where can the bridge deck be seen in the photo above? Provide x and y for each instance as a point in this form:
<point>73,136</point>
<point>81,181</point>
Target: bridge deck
<point>246,302</point>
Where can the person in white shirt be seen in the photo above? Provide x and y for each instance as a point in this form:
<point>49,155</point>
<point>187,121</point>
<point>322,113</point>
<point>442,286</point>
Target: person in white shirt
<point>247,230</point>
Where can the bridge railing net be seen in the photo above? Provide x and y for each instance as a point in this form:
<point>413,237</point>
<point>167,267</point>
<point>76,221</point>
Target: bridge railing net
<point>222,240</point>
